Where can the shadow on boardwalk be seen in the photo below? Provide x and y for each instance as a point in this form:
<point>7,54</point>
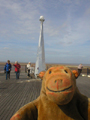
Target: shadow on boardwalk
<point>16,93</point>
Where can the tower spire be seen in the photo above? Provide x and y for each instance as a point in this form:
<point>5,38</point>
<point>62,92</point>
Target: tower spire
<point>40,61</point>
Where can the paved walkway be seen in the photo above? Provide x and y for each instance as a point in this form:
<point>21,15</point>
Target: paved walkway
<point>16,93</point>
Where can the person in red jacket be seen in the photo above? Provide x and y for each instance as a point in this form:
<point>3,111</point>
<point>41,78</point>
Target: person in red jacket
<point>17,69</point>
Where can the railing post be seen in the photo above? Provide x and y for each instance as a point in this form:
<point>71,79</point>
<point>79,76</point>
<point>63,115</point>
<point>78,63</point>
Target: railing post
<point>25,68</point>
<point>87,71</point>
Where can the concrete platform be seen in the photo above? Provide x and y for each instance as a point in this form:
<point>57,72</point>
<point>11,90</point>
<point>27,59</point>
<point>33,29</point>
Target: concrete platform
<point>16,93</point>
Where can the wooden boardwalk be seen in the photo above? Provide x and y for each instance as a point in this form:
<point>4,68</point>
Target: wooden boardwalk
<point>16,93</point>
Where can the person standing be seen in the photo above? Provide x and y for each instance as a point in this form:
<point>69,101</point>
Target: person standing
<point>28,69</point>
<point>17,69</point>
<point>80,68</point>
<point>7,69</point>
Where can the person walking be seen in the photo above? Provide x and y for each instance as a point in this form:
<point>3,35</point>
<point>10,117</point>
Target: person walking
<point>17,69</point>
<point>28,69</point>
<point>7,69</point>
<point>80,68</point>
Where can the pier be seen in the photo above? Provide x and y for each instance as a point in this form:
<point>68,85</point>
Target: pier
<point>16,93</point>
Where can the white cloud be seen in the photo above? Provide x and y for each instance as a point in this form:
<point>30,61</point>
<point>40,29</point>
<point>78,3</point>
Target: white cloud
<point>5,48</point>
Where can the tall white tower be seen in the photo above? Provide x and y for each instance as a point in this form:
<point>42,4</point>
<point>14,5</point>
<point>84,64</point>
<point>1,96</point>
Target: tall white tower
<point>40,62</point>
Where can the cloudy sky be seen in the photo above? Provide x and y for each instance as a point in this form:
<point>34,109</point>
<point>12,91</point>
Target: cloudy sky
<point>66,30</point>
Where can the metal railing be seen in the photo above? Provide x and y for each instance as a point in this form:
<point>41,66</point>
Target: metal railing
<point>24,69</point>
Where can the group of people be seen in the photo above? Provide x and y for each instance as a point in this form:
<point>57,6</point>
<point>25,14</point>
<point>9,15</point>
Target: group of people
<point>8,66</point>
<point>7,69</point>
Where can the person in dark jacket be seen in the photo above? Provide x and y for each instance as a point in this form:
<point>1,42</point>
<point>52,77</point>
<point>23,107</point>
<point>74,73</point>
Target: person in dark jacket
<point>17,69</point>
<point>7,69</point>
